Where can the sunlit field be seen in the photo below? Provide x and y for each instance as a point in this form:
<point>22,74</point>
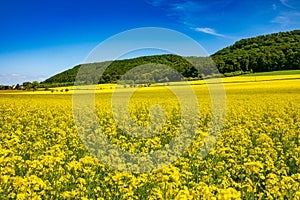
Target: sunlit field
<point>257,155</point>
<point>249,79</point>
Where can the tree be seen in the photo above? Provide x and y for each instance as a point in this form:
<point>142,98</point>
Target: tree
<point>27,85</point>
<point>35,85</point>
<point>17,87</point>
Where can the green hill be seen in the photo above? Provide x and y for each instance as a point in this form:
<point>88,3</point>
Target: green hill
<point>273,52</point>
<point>187,67</point>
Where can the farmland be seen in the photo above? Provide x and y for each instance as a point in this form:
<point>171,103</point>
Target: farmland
<point>257,155</point>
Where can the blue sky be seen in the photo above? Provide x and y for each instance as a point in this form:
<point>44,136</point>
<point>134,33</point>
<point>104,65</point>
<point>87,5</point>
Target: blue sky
<point>41,38</point>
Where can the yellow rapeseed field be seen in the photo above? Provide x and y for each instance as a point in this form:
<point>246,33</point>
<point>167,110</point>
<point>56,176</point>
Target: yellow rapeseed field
<point>257,155</point>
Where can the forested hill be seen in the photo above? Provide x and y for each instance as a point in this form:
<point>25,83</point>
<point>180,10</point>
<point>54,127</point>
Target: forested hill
<point>187,67</point>
<point>278,51</point>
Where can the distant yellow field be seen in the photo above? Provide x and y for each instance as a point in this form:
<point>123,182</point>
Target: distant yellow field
<point>247,81</point>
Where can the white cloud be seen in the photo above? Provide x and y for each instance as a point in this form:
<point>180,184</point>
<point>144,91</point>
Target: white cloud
<point>274,6</point>
<point>188,12</point>
<point>284,2</point>
<point>287,18</point>
<point>155,2</point>
<point>209,31</point>
<point>283,20</point>
<point>14,78</point>
<point>294,4</point>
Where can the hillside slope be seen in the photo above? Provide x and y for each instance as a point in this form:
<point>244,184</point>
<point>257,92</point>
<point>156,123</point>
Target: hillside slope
<point>187,67</point>
<point>278,51</point>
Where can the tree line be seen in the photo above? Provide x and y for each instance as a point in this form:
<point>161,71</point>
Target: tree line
<point>25,86</point>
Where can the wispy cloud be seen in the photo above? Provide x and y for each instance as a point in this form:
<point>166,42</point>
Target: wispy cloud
<point>14,78</point>
<point>209,31</point>
<point>287,18</point>
<point>294,4</point>
<point>187,12</point>
<point>290,16</point>
<point>284,2</point>
<point>155,2</point>
<point>193,13</point>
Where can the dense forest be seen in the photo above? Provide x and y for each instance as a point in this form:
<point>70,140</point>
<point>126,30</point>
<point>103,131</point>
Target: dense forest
<point>273,52</point>
<point>153,70</point>
<point>277,51</point>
